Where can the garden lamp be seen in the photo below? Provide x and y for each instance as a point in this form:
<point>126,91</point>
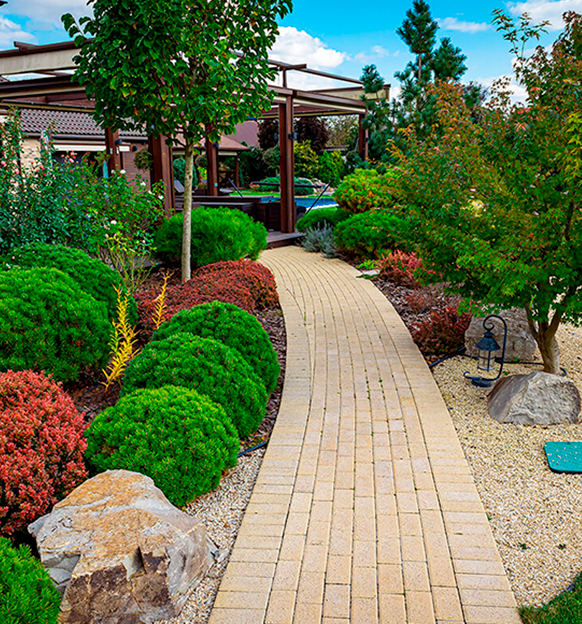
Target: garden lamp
<point>487,347</point>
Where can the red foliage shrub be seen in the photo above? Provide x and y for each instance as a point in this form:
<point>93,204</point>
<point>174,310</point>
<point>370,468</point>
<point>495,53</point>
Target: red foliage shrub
<point>244,283</point>
<point>442,332</point>
<point>41,447</point>
<point>399,267</point>
<point>419,301</point>
<point>256,277</point>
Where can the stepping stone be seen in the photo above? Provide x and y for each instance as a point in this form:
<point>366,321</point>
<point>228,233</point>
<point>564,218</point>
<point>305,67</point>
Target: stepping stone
<point>564,456</point>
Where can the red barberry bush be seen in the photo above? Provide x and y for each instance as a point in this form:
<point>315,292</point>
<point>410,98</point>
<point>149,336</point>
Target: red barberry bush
<point>400,267</point>
<point>41,447</point>
<point>442,332</point>
<point>257,278</point>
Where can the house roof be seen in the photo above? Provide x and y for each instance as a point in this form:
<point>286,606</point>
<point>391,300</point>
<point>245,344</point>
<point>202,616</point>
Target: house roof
<point>35,121</point>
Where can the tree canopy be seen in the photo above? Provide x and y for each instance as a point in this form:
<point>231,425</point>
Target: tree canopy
<point>496,205</point>
<point>194,68</point>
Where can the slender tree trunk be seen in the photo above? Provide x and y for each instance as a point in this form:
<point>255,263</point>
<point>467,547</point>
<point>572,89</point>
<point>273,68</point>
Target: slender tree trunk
<point>419,66</point>
<point>187,232</point>
<point>544,334</point>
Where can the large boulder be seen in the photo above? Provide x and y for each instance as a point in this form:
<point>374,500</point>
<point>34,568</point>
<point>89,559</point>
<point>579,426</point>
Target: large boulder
<point>534,399</point>
<point>520,343</point>
<point>119,552</point>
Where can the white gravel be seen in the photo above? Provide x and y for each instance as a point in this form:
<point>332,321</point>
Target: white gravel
<point>222,512</point>
<point>535,514</point>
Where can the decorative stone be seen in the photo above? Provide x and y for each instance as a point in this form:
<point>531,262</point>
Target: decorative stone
<point>520,343</point>
<point>120,552</point>
<point>534,399</point>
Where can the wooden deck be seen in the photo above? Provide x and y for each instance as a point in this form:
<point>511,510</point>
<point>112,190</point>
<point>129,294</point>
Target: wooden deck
<point>280,239</point>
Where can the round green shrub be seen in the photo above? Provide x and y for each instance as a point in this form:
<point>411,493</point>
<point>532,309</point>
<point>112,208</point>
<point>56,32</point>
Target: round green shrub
<point>207,366</point>
<point>364,190</point>
<point>368,234</point>
<point>27,593</point>
<point>318,217</point>
<point>233,327</point>
<point>272,185</point>
<point>92,275</point>
<point>217,234</point>
<point>176,436</point>
<point>48,323</point>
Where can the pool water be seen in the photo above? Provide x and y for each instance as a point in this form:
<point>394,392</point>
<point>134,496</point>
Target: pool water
<point>306,202</point>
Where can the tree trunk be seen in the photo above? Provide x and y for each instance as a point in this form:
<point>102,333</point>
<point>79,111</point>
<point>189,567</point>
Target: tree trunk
<point>544,334</point>
<point>187,232</point>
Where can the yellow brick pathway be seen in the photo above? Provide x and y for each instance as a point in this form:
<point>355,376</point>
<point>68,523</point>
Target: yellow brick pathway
<point>365,510</point>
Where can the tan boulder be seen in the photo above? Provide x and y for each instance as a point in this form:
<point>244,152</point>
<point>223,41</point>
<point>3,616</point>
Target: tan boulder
<point>120,552</point>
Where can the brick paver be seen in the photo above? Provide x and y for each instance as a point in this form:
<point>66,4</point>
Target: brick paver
<point>365,510</point>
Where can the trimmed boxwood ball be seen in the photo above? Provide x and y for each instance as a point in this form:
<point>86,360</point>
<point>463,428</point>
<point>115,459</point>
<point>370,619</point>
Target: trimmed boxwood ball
<point>27,593</point>
<point>48,323</point>
<point>233,327</point>
<point>207,366</point>
<point>92,275</point>
<point>178,437</point>
<point>217,234</point>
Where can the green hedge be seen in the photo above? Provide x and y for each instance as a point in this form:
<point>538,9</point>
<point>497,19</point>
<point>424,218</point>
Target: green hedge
<point>233,327</point>
<point>176,436</point>
<point>318,217</point>
<point>217,234</point>
<point>27,593</point>
<point>92,275</point>
<point>364,190</point>
<point>368,234</point>
<point>275,188</point>
<point>48,323</point>
<point>207,366</point>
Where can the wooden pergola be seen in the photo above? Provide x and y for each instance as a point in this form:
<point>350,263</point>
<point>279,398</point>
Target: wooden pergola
<point>56,89</point>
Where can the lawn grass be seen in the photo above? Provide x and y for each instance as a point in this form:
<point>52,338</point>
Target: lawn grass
<point>563,609</point>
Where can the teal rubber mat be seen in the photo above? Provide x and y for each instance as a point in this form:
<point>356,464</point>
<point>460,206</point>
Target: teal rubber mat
<point>564,456</point>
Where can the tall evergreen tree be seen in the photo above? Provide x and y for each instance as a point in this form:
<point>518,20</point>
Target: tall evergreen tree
<point>418,31</point>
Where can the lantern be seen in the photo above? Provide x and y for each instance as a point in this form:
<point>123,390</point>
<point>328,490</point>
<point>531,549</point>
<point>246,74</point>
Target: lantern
<point>487,347</point>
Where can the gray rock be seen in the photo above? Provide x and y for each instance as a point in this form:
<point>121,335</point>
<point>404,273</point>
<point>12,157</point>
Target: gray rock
<point>534,399</point>
<point>520,343</point>
<point>119,552</point>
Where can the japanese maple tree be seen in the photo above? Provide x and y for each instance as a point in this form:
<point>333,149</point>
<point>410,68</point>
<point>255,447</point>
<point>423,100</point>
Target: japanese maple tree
<point>497,204</point>
<point>190,67</point>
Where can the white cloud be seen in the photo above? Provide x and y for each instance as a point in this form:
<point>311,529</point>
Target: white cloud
<point>10,32</point>
<point>298,46</point>
<point>551,10</point>
<point>47,12</point>
<point>452,23</point>
<point>518,92</point>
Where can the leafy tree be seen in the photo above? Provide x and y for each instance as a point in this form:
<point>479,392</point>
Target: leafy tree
<point>496,205</point>
<point>268,133</point>
<point>195,67</point>
<point>343,130</point>
<point>314,130</point>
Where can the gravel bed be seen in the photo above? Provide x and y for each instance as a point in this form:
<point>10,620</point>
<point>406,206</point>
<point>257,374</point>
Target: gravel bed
<point>221,512</point>
<point>535,514</point>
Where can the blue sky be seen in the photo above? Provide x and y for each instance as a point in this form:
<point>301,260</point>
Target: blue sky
<point>339,36</point>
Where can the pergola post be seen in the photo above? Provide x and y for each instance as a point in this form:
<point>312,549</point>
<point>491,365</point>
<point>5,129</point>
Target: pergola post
<point>112,149</point>
<point>163,169</point>
<point>287,167</point>
<point>362,138</point>
<point>236,171</point>
<point>212,169</point>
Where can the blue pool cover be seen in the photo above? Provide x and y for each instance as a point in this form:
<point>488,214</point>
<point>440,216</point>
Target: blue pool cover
<point>564,456</point>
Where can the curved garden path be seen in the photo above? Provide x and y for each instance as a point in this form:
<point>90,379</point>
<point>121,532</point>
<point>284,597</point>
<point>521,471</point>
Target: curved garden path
<point>364,510</point>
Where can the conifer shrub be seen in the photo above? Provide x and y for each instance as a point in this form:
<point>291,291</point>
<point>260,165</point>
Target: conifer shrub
<point>93,276</point>
<point>48,323</point>
<point>318,217</point>
<point>207,366</point>
<point>235,328</point>
<point>257,278</point>
<point>27,593</point>
<point>364,190</point>
<point>368,234</point>
<point>217,234</point>
<point>41,448</point>
<point>178,437</point>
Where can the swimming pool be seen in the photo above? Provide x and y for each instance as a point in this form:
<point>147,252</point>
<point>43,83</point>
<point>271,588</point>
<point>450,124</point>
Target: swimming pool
<point>306,202</point>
